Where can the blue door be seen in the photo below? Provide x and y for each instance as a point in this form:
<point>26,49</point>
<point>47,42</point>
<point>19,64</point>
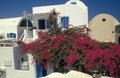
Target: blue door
<point>39,70</point>
<point>65,21</point>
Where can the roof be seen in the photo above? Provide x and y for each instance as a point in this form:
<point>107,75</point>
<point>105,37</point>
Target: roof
<point>10,21</point>
<point>105,16</point>
<point>47,9</point>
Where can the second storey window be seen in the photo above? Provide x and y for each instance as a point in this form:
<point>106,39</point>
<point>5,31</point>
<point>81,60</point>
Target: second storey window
<point>41,24</point>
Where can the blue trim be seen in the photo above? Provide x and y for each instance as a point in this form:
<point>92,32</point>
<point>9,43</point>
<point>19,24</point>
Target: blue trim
<point>39,70</point>
<point>47,25</point>
<point>11,35</point>
<point>64,21</point>
<point>14,35</point>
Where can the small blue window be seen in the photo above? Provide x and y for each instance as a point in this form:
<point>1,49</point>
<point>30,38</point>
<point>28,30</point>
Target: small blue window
<point>64,21</point>
<point>11,35</point>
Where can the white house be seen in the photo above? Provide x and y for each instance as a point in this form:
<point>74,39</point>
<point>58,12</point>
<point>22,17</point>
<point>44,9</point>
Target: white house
<point>13,28</point>
<point>73,12</point>
<point>15,65</point>
<point>12,62</point>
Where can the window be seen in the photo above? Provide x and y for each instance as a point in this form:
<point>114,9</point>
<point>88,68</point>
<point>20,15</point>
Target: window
<point>73,3</point>
<point>1,36</point>
<point>119,40</point>
<point>24,63</point>
<point>41,24</point>
<point>117,29</point>
<point>24,23</point>
<point>11,35</point>
<point>103,19</point>
<point>64,21</point>
<point>21,62</point>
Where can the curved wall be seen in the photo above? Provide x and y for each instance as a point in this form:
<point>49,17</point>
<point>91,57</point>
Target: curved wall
<point>102,28</point>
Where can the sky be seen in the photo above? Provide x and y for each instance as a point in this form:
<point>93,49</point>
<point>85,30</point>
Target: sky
<point>15,8</point>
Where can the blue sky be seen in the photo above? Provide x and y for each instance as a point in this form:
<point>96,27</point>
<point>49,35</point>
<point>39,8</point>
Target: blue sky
<point>14,8</point>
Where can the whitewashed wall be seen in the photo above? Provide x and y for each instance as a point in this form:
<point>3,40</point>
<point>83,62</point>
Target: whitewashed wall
<point>8,29</point>
<point>7,60</point>
<point>78,14</point>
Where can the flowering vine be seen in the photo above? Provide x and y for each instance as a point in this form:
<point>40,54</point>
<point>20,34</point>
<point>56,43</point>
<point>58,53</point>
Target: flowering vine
<point>73,48</point>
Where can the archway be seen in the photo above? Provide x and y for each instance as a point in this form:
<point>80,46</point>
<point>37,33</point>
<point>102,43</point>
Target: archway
<point>24,24</point>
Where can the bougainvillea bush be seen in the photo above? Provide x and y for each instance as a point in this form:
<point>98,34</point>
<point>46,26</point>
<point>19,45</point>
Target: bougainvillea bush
<point>72,47</point>
<point>106,60</point>
<point>65,48</point>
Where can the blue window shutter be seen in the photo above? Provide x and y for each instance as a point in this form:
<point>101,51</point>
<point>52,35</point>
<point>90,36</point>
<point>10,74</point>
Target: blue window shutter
<point>14,35</point>
<point>64,21</point>
<point>47,25</point>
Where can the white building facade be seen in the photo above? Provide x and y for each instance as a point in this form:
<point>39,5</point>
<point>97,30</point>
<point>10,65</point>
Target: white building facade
<point>13,65</point>
<point>73,12</point>
<point>13,28</point>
